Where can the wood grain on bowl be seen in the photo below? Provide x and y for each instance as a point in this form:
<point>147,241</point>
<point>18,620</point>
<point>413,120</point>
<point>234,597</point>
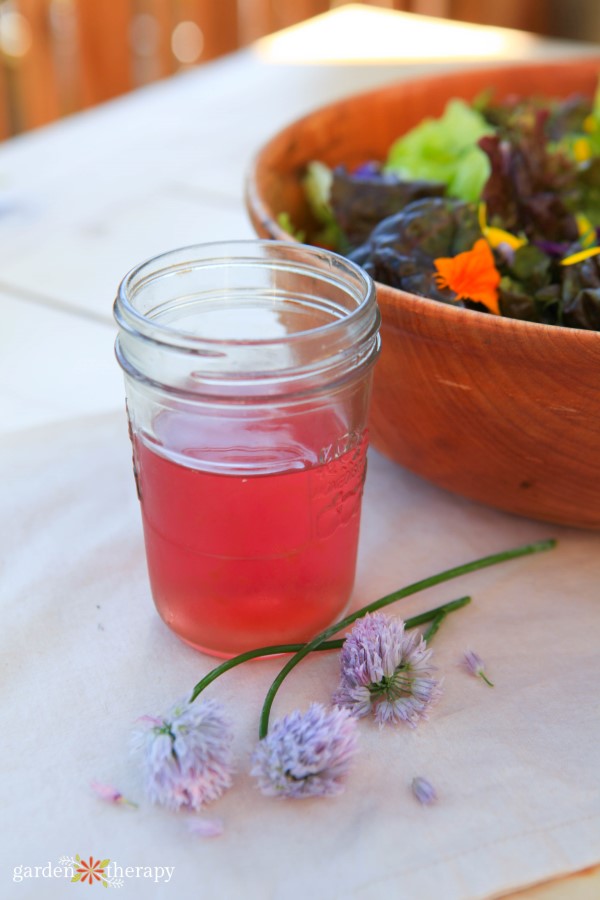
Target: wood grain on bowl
<point>498,410</point>
<point>501,411</point>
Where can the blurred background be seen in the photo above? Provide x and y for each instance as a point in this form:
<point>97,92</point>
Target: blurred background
<point>61,56</point>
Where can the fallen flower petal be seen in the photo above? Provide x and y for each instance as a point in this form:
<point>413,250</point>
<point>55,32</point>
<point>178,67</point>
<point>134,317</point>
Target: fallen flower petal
<point>110,794</point>
<point>424,791</point>
<point>475,666</point>
<point>206,827</point>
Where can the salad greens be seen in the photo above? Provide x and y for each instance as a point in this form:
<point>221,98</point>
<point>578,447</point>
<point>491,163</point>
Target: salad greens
<point>445,150</point>
<point>492,206</point>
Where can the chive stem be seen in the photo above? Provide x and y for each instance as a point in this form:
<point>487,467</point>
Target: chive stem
<point>433,628</point>
<point>414,588</point>
<point>275,650</point>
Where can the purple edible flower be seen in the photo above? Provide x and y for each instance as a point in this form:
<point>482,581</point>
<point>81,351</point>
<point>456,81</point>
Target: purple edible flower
<point>505,252</point>
<point>475,666</point>
<point>386,671</point>
<point>553,248</point>
<point>424,791</point>
<point>368,170</point>
<point>186,755</point>
<point>306,754</point>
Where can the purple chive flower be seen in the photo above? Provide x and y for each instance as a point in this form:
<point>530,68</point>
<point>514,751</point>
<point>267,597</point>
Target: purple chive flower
<point>386,671</point>
<point>110,794</point>
<point>475,666</point>
<point>424,791</point>
<point>306,754</point>
<point>186,755</point>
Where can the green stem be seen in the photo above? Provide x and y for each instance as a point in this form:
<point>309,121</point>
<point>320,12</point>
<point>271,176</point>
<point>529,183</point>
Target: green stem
<point>429,616</point>
<point>429,633</point>
<point>446,575</point>
<point>486,679</point>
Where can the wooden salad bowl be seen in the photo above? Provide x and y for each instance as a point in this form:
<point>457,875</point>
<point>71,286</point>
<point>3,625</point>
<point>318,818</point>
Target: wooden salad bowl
<point>502,411</point>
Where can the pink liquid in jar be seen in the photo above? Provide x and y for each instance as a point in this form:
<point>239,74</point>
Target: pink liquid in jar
<point>238,561</point>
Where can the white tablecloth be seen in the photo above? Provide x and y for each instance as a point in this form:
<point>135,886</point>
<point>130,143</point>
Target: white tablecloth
<point>84,653</point>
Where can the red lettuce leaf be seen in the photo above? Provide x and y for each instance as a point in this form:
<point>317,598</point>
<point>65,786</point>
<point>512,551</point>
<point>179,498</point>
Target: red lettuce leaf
<point>530,189</point>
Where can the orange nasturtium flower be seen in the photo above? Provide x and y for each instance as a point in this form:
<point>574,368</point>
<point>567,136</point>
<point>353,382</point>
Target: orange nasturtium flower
<point>471,275</point>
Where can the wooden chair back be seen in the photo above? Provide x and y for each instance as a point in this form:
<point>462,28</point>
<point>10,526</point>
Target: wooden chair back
<point>60,56</point>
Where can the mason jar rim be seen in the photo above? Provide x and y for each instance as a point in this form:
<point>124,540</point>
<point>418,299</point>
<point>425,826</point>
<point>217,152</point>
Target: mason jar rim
<point>233,252</point>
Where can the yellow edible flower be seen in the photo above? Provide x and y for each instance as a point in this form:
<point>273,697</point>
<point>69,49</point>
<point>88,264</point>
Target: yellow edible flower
<point>582,149</point>
<point>587,232</point>
<point>497,236</point>
<point>579,257</point>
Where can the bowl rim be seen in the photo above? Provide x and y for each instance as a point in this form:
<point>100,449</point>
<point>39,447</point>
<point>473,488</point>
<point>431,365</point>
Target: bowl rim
<point>426,307</point>
<point>496,325</point>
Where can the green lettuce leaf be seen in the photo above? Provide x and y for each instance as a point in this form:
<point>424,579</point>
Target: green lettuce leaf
<point>317,189</point>
<point>445,150</point>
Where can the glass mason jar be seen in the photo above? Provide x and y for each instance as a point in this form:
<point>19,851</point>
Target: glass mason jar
<point>247,371</point>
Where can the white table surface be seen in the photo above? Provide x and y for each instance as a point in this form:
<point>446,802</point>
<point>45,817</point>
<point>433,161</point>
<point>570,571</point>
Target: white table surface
<point>85,199</point>
<point>81,202</point>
